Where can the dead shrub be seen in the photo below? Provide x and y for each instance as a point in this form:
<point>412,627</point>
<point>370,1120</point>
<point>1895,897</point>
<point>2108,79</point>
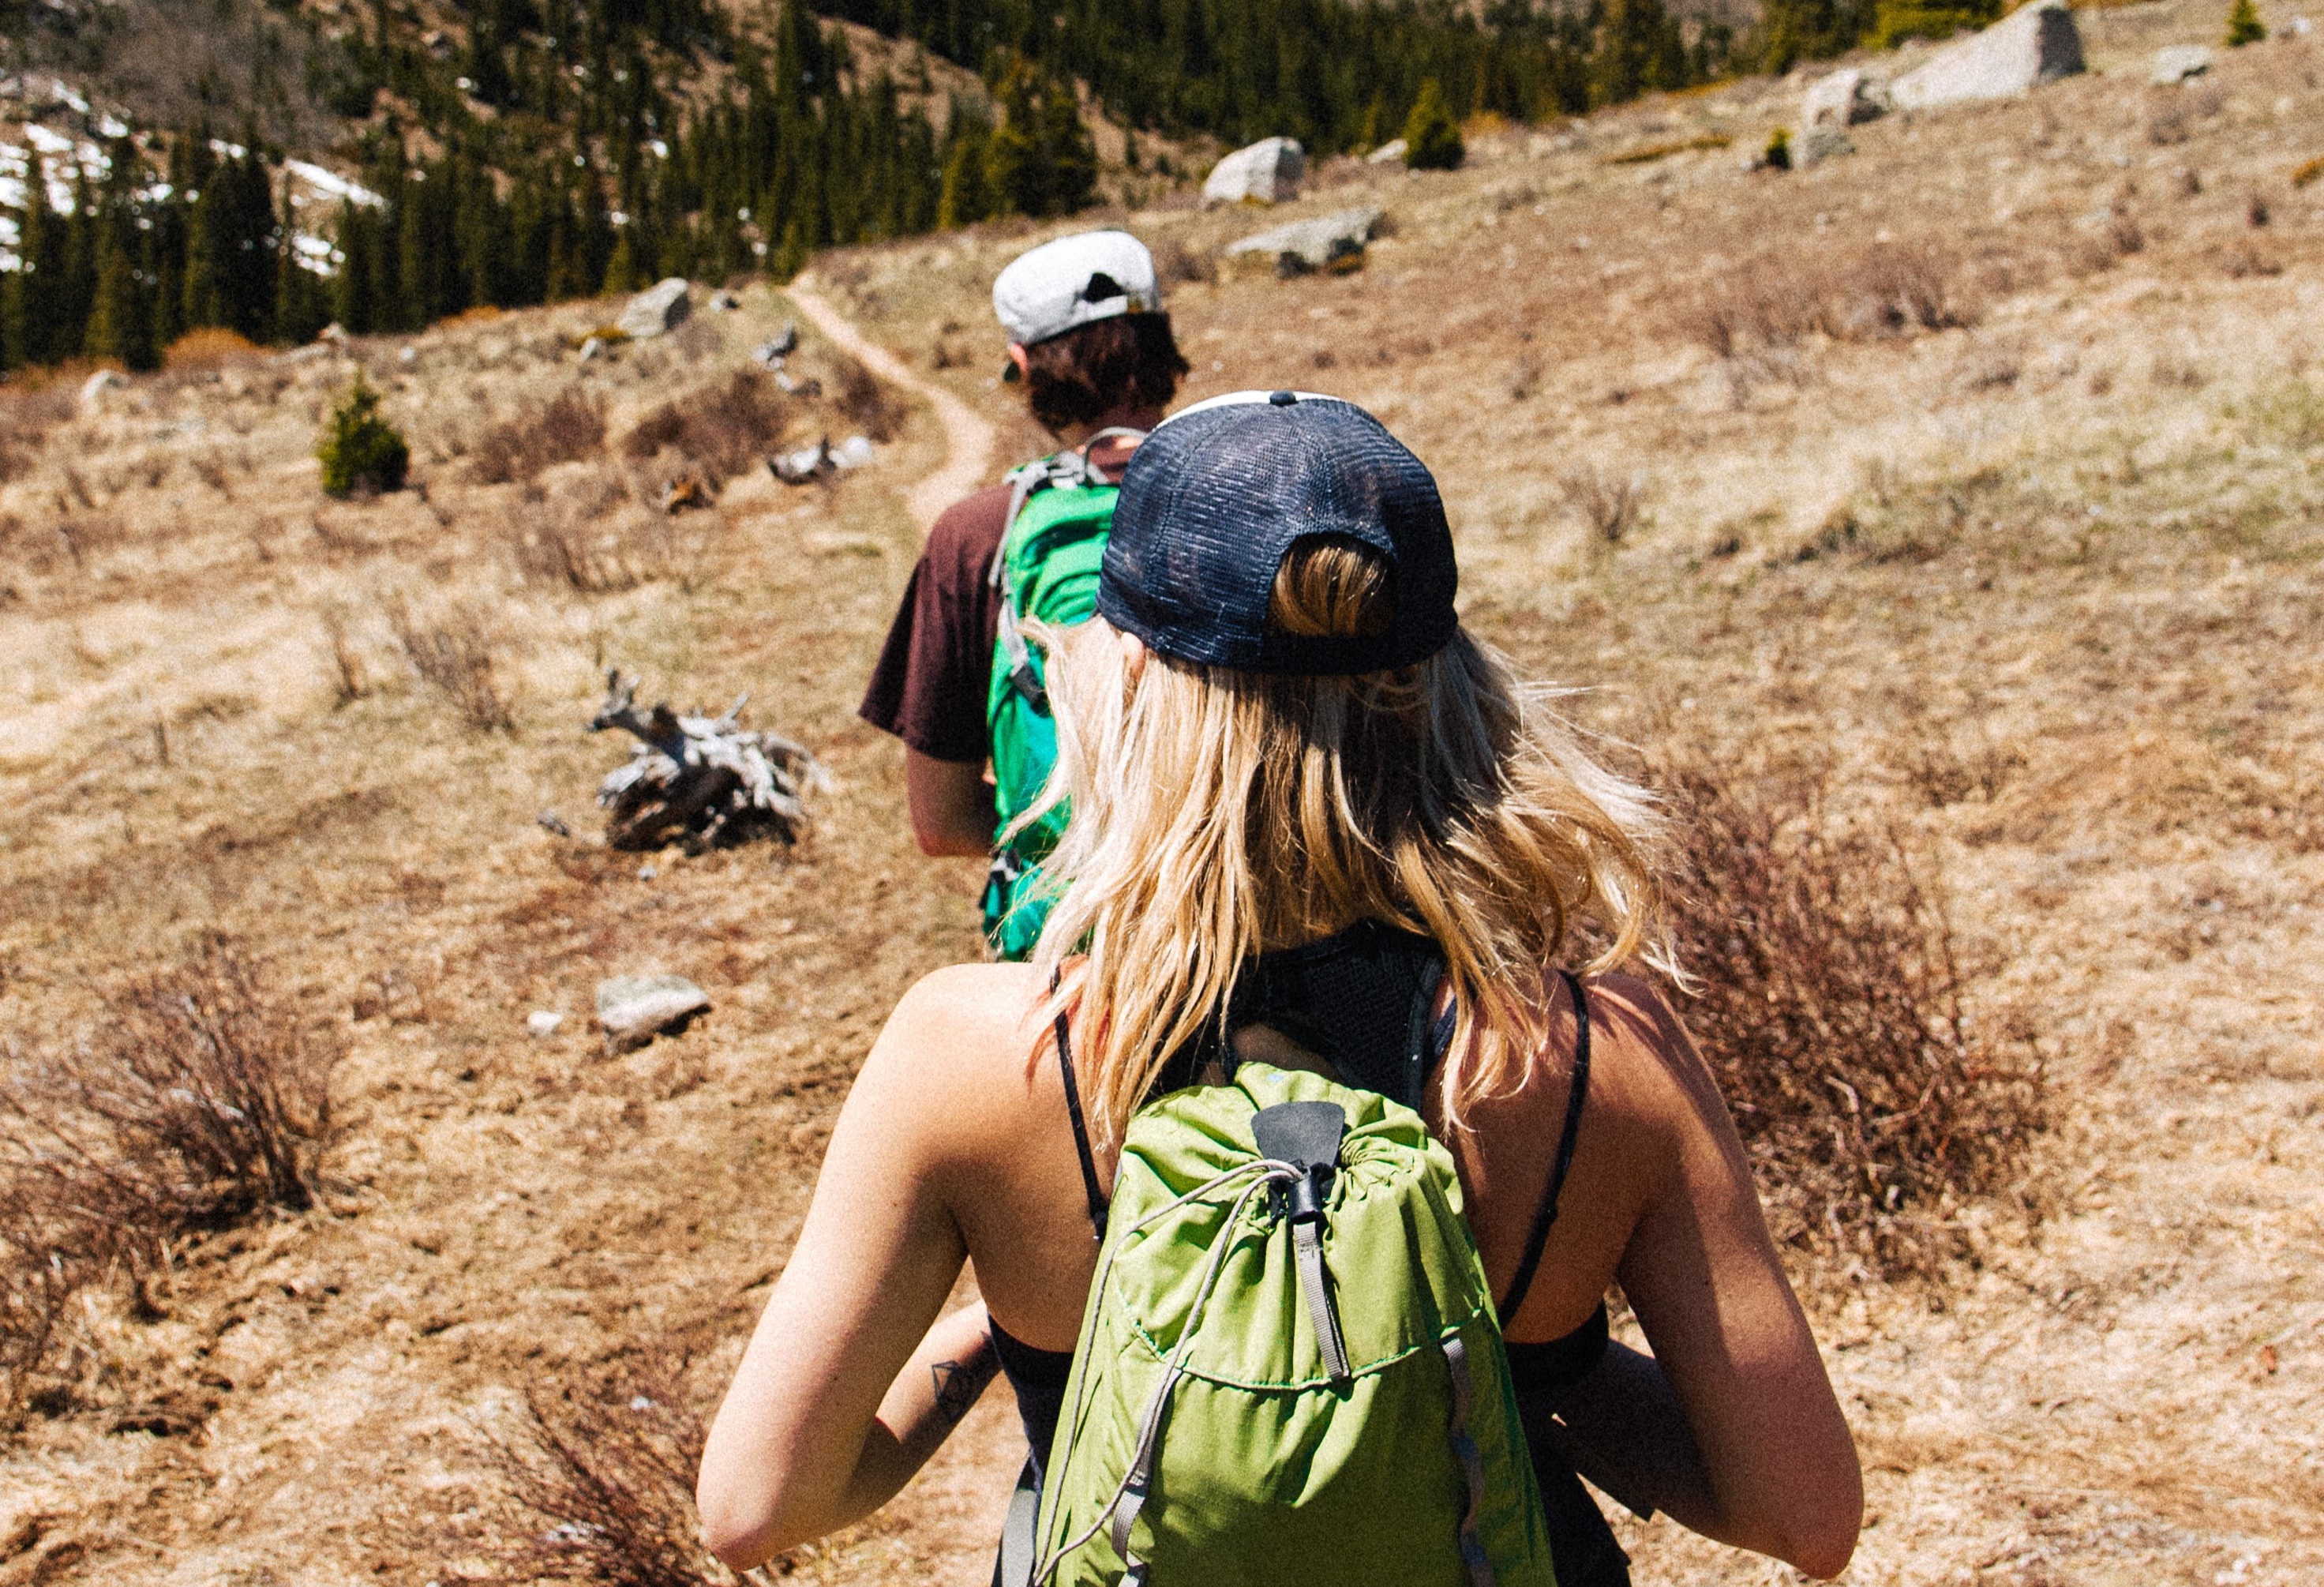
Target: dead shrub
<point>1608,504</point>
<point>1175,263</point>
<point>558,545</point>
<point>1828,999</point>
<point>867,404</point>
<point>721,429</point>
<point>350,678</point>
<point>1866,294</point>
<point>570,428</point>
<point>195,1098</point>
<point>455,652</point>
<point>596,1484</point>
<point>209,349</point>
<point>26,418</point>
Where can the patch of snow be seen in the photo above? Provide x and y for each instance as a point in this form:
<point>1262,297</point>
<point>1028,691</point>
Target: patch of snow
<point>45,140</point>
<point>331,182</point>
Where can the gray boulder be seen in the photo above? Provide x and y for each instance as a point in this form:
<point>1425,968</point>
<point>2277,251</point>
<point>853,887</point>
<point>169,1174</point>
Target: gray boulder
<point>1819,144</point>
<point>1843,98</point>
<point>634,1010</point>
<point>660,307</point>
<point>1268,171</point>
<point>2024,49</point>
<point>2175,63</point>
<point>1389,153</point>
<point>1332,243</point>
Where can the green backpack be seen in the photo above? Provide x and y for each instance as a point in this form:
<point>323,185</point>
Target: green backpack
<point>1059,512</point>
<point>1290,1372</point>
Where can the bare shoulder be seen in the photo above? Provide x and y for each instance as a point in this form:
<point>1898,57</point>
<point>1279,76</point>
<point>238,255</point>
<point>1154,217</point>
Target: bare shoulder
<point>963,1012</point>
<point>1643,1058</point>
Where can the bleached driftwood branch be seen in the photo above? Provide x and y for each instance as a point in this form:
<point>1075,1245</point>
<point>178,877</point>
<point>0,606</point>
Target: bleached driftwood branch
<point>701,781</point>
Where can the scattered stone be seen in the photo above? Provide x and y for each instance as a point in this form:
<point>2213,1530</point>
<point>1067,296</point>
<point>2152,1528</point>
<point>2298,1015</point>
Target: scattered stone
<point>543,1022</point>
<point>1843,98</point>
<point>408,356</point>
<point>1389,153</point>
<point>698,781</point>
<point>2175,63</point>
<point>723,301</point>
<point>1821,142</point>
<point>93,389</point>
<point>593,349</point>
<point>804,466</point>
<point>785,342</point>
<point>1268,171</point>
<point>854,452</point>
<point>660,309</point>
<point>333,332</point>
<point>550,821</point>
<point>1332,243</point>
<point>2037,44</point>
<point>632,1009</point>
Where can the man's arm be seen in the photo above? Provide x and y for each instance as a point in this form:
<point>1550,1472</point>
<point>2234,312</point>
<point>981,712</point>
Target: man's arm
<point>950,805</point>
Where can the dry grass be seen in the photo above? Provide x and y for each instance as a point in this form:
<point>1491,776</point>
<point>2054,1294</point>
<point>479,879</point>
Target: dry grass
<point>194,1098</point>
<point>722,429</point>
<point>1829,994</point>
<point>570,427</point>
<point>456,651</point>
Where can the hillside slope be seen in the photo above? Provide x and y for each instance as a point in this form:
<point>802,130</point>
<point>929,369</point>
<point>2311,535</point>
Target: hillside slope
<point>2040,586</point>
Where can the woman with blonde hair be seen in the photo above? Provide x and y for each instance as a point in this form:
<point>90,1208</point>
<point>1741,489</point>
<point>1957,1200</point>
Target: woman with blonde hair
<point>1316,826</point>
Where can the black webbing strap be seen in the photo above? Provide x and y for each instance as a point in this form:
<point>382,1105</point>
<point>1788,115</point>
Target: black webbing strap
<point>1097,1204</point>
<point>1546,1214</point>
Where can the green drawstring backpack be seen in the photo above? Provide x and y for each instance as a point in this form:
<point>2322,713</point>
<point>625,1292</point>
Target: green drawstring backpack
<point>1290,1372</point>
<point>1059,512</point>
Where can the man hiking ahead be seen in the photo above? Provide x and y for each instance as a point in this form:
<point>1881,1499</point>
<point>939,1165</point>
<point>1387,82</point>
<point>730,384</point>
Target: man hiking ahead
<point>1089,340</point>
<point>1297,1165</point>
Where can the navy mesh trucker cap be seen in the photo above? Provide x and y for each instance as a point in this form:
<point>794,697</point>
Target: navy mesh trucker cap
<point>1214,500</point>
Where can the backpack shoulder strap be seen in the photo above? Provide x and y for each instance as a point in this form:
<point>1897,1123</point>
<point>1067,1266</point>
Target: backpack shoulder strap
<point>1546,1214</point>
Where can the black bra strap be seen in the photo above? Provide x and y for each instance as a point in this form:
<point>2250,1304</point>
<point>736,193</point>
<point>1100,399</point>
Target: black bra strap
<point>1546,1214</point>
<point>1097,1204</point>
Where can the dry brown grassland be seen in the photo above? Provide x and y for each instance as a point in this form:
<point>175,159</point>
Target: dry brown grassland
<point>1968,488</point>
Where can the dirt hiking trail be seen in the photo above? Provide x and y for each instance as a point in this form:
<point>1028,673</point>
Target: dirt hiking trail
<point>968,437</point>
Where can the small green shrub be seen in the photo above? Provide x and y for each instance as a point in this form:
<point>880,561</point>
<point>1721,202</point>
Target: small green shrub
<point>361,451</point>
<point>2244,25</point>
<point>1432,138</point>
<point>1779,151</point>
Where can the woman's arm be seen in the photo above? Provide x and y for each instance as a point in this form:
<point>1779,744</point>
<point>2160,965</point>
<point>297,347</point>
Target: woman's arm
<point>845,1388</point>
<point>1730,1339</point>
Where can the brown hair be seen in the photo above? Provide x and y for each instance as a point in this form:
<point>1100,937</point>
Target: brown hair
<point>1217,813</point>
<point>1126,361</point>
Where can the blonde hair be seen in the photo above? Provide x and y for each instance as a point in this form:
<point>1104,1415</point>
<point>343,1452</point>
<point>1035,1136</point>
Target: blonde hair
<point>1218,812</point>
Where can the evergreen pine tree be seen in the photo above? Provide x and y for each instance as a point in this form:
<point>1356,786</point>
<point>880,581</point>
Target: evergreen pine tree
<point>2244,25</point>
<point>36,303</point>
<point>120,319</point>
<point>962,199</point>
<point>1432,138</point>
<point>1039,160</point>
<point>355,291</point>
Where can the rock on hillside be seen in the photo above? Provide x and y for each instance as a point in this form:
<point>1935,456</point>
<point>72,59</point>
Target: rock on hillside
<point>2037,45</point>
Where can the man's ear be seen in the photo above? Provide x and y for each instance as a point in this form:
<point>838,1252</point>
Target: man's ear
<point>1018,357</point>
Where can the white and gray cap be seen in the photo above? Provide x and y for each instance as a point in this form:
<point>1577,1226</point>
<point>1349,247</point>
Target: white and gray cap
<point>1074,282</point>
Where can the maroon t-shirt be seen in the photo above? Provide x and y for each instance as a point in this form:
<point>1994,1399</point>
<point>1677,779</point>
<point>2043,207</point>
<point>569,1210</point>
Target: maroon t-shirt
<point>929,687</point>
